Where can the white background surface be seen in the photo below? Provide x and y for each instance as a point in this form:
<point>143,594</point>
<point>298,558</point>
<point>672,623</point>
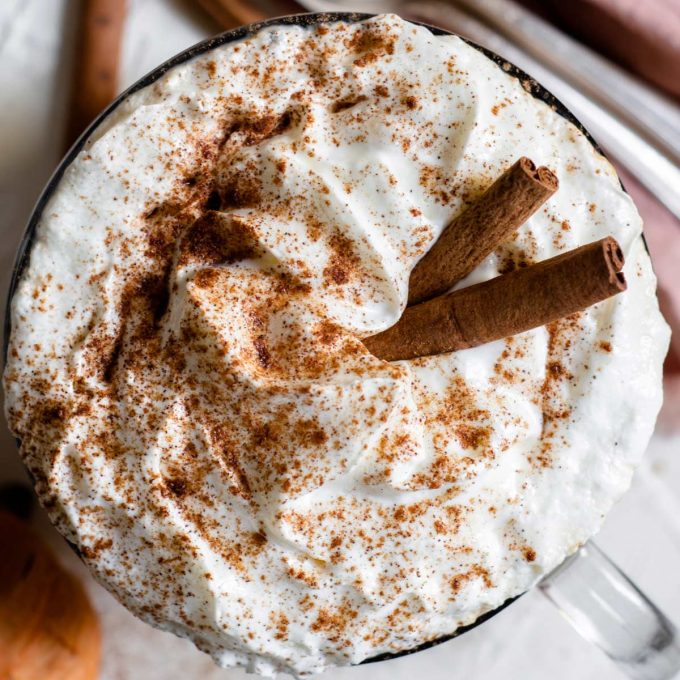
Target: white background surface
<point>528,641</point>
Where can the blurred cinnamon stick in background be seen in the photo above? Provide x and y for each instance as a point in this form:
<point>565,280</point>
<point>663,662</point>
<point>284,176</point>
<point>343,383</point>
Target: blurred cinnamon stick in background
<point>96,64</point>
<point>232,13</point>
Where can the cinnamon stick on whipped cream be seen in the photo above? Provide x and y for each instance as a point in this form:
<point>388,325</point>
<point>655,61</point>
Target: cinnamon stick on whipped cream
<point>490,220</point>
<point>506,305</point>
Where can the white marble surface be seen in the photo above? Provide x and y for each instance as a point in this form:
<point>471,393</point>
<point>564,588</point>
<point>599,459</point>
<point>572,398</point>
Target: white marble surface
<point>529,640</point>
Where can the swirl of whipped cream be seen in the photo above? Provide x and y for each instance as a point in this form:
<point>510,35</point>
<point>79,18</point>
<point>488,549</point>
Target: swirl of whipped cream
<point>187,379</point>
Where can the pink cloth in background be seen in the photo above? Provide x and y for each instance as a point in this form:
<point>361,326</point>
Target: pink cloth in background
<point>642,35</point>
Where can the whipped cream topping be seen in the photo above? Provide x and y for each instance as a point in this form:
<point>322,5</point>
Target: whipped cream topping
<point>186,375</point>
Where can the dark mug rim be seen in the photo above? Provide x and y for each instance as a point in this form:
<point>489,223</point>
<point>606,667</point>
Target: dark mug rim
<point>22,257</point>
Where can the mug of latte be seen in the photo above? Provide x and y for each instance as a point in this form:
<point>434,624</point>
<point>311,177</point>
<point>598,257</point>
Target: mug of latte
<point>329,339</point>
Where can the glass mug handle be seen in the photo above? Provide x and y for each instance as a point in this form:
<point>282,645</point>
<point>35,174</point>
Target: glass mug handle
<point>606,607</point>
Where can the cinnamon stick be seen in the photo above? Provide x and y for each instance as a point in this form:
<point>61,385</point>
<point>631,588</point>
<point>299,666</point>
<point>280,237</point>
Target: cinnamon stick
<point>507,305</point>
<point>95,82</point>
<point>232,13</point>
<point>490,220</point>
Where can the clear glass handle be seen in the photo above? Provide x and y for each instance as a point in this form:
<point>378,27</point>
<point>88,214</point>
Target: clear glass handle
<point>606,607</point>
